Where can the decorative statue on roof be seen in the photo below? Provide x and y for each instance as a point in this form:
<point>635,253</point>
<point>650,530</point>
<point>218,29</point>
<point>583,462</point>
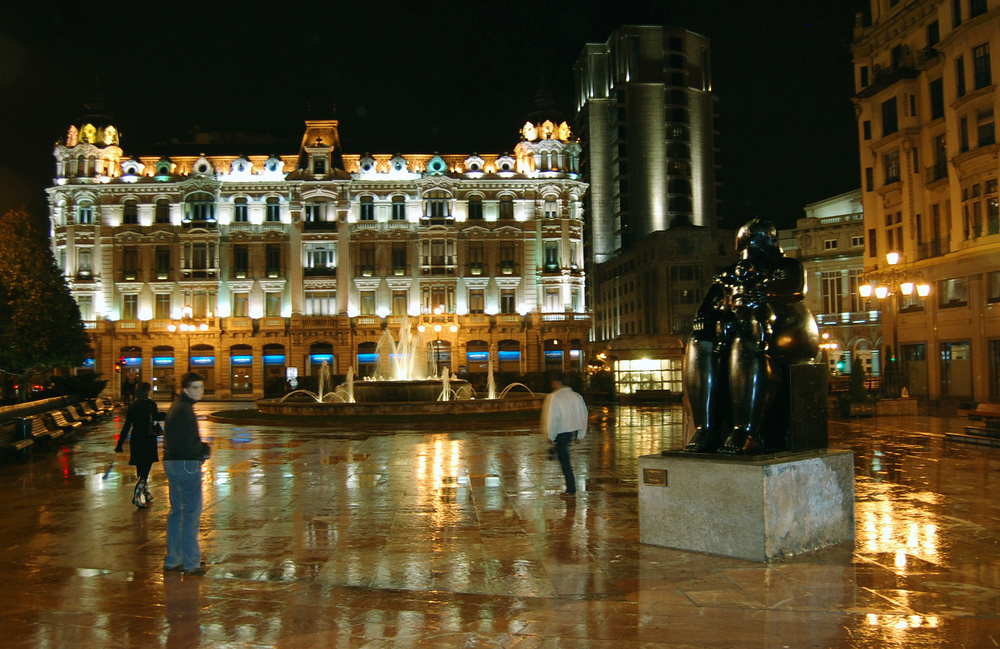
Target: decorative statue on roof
<point>751,327</point>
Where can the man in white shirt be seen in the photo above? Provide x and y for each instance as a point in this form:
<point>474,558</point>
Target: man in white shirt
<point>564,419</point>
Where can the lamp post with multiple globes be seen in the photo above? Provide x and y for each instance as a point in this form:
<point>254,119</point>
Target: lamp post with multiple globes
<point>187,325</point>
<point>892,283</point>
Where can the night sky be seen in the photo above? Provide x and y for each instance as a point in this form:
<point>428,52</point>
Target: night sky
<point>419,78</point>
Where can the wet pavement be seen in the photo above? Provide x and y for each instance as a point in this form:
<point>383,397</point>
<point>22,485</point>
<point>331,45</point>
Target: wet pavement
<point>370,538</point>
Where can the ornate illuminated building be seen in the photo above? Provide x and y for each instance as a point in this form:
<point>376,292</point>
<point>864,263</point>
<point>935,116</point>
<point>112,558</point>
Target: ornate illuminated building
<point>241,267</point>
<point>927,103</point>
<point>646,121</point>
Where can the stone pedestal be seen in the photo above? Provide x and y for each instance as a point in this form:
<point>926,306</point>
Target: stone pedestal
<point>757,508</point>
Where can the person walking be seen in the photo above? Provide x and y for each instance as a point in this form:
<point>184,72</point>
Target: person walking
<point>564,420</point>
<point>141,422</point>
<point>183,454</point>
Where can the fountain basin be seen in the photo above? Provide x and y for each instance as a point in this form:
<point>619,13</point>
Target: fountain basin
<point>403,391</point>
<point>475,408</point>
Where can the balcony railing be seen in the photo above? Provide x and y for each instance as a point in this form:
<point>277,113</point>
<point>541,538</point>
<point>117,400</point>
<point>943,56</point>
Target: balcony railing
<point>274,273</point>
<point>475,268</point>
<point>364,270</point>
<point>200,273</point>
<point>240,273</point>
<point>130,276</point>
<point>320,271</point>
<point>935,248</point>
<point>508,268</point>
<point>320,226</point>
<point>937,172</point>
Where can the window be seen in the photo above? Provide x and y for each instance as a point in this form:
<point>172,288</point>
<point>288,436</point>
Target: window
<point>977,8</point>
<point>130,263</point>
<point>953,292</point>
<point>551,255</point>
<point>993,286</point>
<point>86,305</point>
<point>130,306</point>
<point>161,262</point>
<point>315,212</point>
<point>161,306</point>
<point>477,254</point>
<point>398,208</point>
<point>833,291</point>
<point>321,256</point>
<point>85,213</point>
<point>272,304</point>
<point>241,213</point>
<point>960,76</point>
<point>890,121</point>
<point>963,135</point>
<point>869,179</point>
<point>507,301</point>
<point>992,207</point>
<point>507,262</point>
<point>162,211</point>
<point>240,305</point>
<point>272,259</point>
<point>199,208</point>
<point>956,13</point>
<point>864,76</point>
<point>199,259</point>
<point>940,158</point>
<point>273,207</point>
<point>399,303</point>
<point>866,129</point>
<point>854,276</point>
<point>985,130</point>
<point>506,208</point>
<point>857,242</point>
<point>981,74</point>
<point>475,208</point>
<point>933,34</point>
<point>399,265</point>
<point>130,212</point>
<point>873,242</point>
<point>892,167</point>
<point>830,244</point>
<point>477,300</point>
<point>437,204</point>
<point>366,259</point>
<point>551,208</point>
<point>321,303</point>
<point>553,301</point>
<point>937,98</point>
<point>241,260</point>
<point>319,166</point>
<point>367,208</point>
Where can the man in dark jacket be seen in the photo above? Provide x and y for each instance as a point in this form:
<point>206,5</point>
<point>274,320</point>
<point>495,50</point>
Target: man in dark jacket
<point>183,453</point>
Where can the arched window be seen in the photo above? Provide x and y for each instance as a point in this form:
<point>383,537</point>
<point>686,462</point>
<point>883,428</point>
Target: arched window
<point>398,208</point>
<point>241,212</point>
<point>551,207</point>
<point>475,208</point>
<point>130,212</point>
<point>506,208</point>
<point>437,204</point>
<point>367,208</point>
<point>273,214</point>
<point>85,213</point>
<point>199,208</point>
<point>162,211</point>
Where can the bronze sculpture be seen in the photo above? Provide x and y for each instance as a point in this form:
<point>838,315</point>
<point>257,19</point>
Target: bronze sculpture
<point>751,327</point>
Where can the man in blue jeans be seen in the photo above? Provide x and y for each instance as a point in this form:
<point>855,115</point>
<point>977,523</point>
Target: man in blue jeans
<point>564,420</point>
<point>183,453</point>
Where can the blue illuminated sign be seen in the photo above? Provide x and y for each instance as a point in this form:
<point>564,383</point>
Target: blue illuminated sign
<point>509,356</point>
<point>133,361</point>
<point>367,359</point>
<point>480,357</point>
<point>319,358</point>
<point>203,361</point>
<point>163,361</point>
<point>554,354</point>
<point>274,359</point>
<point>242,360</point>
<point>88,363</point>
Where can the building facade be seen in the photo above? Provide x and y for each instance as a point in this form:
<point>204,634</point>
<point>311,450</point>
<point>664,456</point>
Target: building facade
<point>830,243</point>
<point>254,268</point>
<point>646,119</point>
<point>927,102</point>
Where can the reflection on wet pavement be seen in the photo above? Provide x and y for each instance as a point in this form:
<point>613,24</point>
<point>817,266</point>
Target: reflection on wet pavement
<point>355,538</point>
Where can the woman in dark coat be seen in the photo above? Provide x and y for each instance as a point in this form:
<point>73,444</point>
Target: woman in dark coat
<point>139,421</point>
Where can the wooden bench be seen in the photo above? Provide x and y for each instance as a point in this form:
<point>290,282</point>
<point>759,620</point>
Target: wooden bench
<point>99,407</point>
<point>72,417</point>
<point>43,432</point>
<point>14,443</point>
<point>81,413</point>
<point>62,422</point>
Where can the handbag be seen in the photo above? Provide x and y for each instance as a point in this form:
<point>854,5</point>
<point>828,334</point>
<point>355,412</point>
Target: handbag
<point>155,429</point>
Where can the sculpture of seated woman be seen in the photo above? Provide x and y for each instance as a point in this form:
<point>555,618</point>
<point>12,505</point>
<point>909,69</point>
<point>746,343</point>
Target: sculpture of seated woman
<point>750,327</point>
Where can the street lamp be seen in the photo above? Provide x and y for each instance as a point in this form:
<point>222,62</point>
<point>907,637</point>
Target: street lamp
<point>893,282</point>
<point>187,324</point>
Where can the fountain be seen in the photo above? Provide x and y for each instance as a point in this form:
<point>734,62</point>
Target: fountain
<point>404,383</point>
